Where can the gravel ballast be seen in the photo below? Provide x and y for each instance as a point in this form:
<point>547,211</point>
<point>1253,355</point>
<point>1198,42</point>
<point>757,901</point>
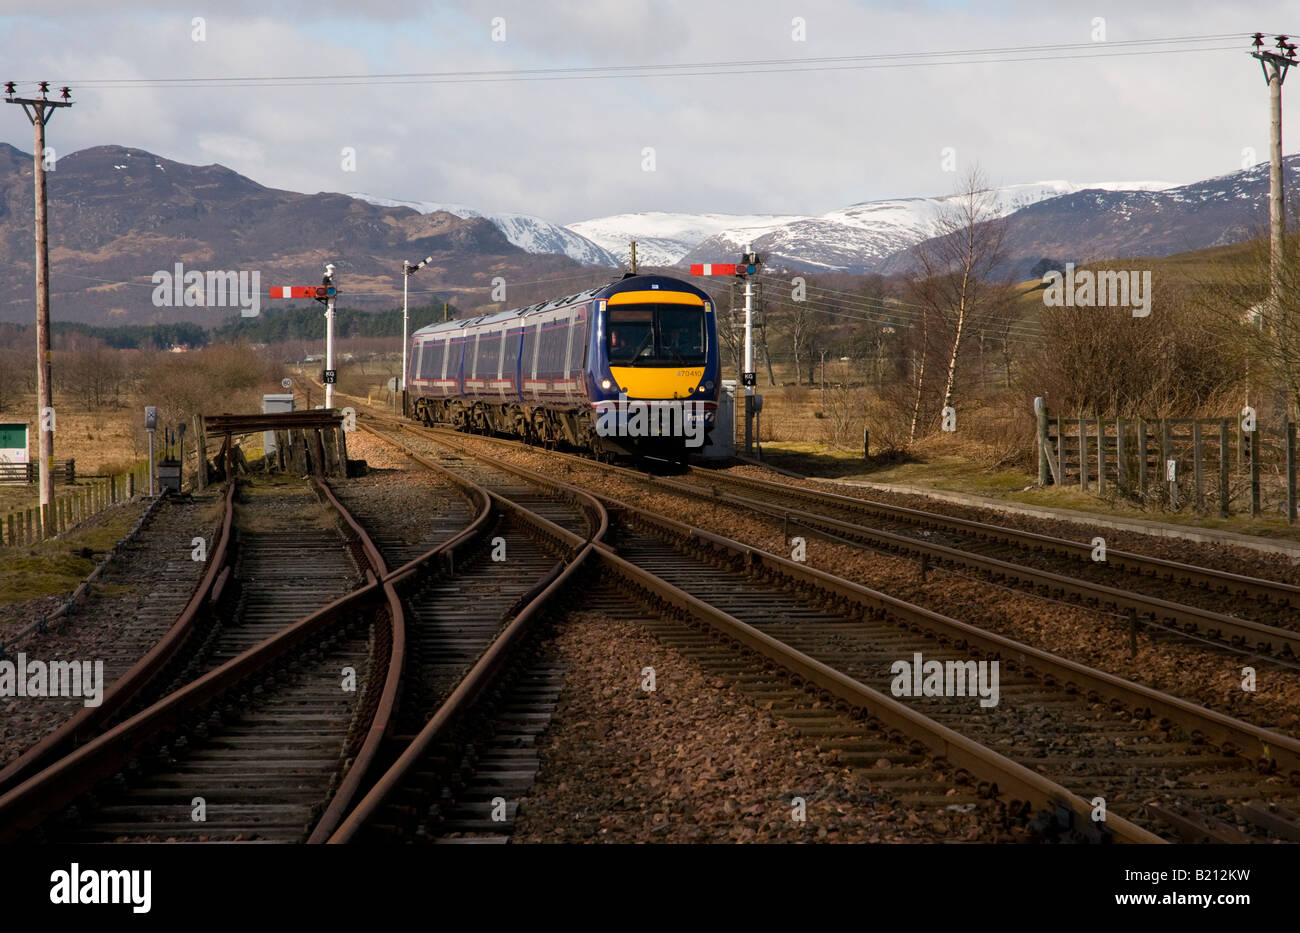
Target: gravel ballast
<point>694,761</point>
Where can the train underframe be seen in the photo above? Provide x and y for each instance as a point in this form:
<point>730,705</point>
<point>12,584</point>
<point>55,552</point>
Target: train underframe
<point>545,426</point>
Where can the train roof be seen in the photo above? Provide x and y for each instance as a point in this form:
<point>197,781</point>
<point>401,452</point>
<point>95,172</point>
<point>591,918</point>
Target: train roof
<point>634,282</point>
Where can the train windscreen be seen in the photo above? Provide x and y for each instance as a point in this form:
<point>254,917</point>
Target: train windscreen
<point>655,335</point>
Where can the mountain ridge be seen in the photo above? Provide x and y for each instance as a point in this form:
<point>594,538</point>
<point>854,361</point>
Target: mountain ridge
<point>119,214</point>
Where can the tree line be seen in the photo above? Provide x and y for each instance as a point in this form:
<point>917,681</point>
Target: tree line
<point>276,325</point>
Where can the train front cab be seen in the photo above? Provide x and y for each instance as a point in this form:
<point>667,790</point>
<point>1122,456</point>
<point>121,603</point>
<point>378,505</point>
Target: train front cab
<point>656,341</point>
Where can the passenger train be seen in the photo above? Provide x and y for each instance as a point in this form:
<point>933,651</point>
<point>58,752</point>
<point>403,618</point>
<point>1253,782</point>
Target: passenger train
<point>577,369</point>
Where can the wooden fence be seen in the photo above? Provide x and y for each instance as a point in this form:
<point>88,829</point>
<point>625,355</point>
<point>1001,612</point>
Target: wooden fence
<point>1203,463</point>
<point>92,494</point>
<point>65,472</point>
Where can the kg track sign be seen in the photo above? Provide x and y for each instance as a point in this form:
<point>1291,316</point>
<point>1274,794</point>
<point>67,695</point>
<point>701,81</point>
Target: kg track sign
<point>329,377</point>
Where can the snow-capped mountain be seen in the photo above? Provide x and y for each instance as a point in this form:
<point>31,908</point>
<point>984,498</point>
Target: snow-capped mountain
<point>529,233</point>
<point>1090,225</point>
<point>663,238</point>
<point>858,237</point>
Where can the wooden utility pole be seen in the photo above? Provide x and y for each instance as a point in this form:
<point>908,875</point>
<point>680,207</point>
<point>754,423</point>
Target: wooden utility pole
<point>1275,65</point>
<point>39,110</point>
<point>633,244</point>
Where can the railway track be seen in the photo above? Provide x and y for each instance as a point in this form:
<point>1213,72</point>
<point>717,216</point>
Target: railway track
<point>1224,596</point>
<point>272,748</point>
<point>1066,735</point>
<point>271,709</point>
<point>899,768</point>
<point>281,749</point>
<point>1159,762</point>
<point>461,750</point>
<point>1054,567</point>
<point>120,613</point>
<point>290,557</point>
<point>275,556</point>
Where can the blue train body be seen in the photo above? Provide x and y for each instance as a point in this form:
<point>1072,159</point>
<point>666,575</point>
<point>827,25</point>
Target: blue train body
<point>630,367</point>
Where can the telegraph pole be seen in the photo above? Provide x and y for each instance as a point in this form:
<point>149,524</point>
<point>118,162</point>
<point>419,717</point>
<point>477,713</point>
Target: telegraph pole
<point>39,110</point>
<point>1275,65</point>
<point>634,257</point>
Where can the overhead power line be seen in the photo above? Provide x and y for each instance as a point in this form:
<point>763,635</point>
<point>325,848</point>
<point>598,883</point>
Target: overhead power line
<point>1054,52</point>
<point>902,315</point>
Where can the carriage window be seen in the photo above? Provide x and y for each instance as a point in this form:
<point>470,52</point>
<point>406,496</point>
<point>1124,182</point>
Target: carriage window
<point>431,355</point>
<point>488,355</point>
<point>555,338</point>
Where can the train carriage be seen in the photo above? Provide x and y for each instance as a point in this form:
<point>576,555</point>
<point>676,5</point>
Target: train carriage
<point>630,367</point>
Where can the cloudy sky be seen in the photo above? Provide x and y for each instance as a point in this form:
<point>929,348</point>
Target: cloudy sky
<point>770,141</point>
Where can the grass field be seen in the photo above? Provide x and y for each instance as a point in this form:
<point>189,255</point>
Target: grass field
<point>58,566</point>
<point>101,442</point>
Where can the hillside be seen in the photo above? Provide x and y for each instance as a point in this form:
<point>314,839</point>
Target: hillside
<point>118,215</point>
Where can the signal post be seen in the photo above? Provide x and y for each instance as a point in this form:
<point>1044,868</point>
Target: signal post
<point>325,293</point>
<point>746,269</point>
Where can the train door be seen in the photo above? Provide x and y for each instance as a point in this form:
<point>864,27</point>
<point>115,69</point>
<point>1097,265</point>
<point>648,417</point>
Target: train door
<point>533,346</point>
<point>502,382</point>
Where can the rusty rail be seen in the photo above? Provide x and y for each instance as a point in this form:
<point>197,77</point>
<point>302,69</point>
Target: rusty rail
<point>489,664</point>
<point>1255,636</point>
<point>378,728</point>
<point>120,693</point>
<point>40,792</point>
<point>1274,591</point>
<point>1007,775</point>
<point>1269,749</point>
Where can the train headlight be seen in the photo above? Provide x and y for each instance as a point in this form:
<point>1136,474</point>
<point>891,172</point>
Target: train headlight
<point>708,386</point>
<point>605,384</point>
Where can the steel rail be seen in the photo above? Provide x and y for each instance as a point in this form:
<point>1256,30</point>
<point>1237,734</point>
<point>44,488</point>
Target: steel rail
<point>31,801</point>
<point>489,664</point>
<point>1259,636</point>
<point>381,722</point>
<point>1005,775</point>
<point>1271,751</point>
<point>1274,591</point>
<point>28,804</point>
<point>120,693</point>
<point>1256,636</point>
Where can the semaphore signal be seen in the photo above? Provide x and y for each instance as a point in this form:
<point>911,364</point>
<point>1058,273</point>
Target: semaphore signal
<point>409,270</point>
<point>746,269</point>
<point>325,293</point>
<point>319,292</point>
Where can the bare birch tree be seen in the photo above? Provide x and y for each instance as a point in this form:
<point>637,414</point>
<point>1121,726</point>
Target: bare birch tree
<point>1263,322</point>
<point>954,285</point>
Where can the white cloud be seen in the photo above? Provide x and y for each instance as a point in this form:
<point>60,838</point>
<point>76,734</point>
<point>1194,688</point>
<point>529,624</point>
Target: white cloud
<point>764,143</point>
